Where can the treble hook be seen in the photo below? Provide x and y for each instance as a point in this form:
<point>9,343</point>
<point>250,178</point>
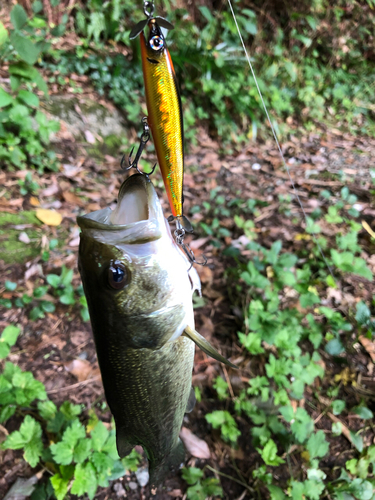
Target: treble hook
<point>180,235</point>
<point>144,139</point>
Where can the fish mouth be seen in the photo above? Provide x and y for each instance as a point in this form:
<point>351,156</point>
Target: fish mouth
<point>137,218</point>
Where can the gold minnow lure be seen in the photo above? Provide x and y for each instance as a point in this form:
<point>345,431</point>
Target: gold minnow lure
<point>164,111</point>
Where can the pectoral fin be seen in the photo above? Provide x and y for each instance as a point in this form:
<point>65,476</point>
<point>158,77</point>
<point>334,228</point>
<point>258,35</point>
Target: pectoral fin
<point>206,347</point>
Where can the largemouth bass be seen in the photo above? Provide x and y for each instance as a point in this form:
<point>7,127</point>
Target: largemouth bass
<point>139,286</point>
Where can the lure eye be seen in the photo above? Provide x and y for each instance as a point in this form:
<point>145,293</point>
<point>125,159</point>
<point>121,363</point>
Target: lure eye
<point>156,42</point>
<point>117,275</point>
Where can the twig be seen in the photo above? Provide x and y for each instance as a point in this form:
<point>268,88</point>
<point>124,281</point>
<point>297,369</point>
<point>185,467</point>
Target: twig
<point>79,384</point>
<point>230,477</point>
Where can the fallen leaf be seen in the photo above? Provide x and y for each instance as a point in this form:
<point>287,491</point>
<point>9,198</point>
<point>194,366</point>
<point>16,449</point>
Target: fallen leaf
<point>49,217</point>
<point>194,445</point>
<point>34,201</point>
<point>80,368</point>
<point>23,237</point>
<point>368,228</point>
<point>89,137</point>
<point>73,199</point>
<point>369,346</point>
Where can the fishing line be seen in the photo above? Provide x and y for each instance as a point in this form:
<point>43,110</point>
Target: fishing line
<point>275,137</point>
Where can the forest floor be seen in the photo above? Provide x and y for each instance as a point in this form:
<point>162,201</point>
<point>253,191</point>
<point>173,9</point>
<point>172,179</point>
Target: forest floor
<point>59,349</point>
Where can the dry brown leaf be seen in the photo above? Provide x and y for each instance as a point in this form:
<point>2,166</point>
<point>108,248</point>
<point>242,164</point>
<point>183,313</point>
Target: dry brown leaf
<point>34,201</point>
<point>369,346</point>
<point>73,199</point>
<point>80,368</point>
<point>194,445</point>
<point>368,228</point>
<point>49,217</point>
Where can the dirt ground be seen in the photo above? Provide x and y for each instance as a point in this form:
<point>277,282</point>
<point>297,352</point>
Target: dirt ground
<point>59,349</point>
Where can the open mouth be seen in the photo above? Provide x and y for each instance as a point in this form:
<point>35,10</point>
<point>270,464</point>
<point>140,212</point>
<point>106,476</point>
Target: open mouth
<point>133,202</point>
<point>153,61</point>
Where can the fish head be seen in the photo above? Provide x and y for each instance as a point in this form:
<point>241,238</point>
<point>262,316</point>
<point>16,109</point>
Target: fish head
<point>136,279</point>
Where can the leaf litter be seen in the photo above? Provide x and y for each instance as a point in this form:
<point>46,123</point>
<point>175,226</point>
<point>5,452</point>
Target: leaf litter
<point>60,352</point>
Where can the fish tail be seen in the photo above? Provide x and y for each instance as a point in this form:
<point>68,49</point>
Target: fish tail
<point>159,471</point>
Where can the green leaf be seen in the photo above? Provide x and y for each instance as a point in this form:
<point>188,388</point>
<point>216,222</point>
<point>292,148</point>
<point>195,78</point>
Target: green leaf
<point>84,480</point>
<point>47,409</point>
<point>60,486</point>
<point>192,474</point>
<point>54,280</point>
<point>62,453</point>
<point>317,446</point>
<point>99,436</point>
<point>29,98</point>
<point>73,433</point>
<point>10,334</point>
<point>25,48</point>
<point>82,450</point>
<point>334,347</point>
<point>277,493</point>
<point>18,16</point>
<point>5,98</point>
<point>29,438</point>
<point>269,453</point>
<point>3,34</point>
<point>363,412</point>
<point>10,286</point>
<point>357,441</point>
<point>338,406</point>
<point>4,350</point>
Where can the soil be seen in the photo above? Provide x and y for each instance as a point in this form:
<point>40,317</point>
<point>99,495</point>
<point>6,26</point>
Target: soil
<point>328,161</point>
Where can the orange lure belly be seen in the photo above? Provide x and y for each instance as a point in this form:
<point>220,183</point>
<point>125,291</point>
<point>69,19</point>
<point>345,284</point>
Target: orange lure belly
<point>165,120</point>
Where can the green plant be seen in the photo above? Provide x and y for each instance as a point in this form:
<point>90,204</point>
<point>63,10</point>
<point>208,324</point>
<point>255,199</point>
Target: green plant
<point>199,488</point>
<point>43,298</point>
<point>79,457</point>
<point>24,129</point>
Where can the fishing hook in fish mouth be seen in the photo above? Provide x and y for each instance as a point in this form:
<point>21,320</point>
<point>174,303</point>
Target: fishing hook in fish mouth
<point>180,236</point>
<point>144,139</point>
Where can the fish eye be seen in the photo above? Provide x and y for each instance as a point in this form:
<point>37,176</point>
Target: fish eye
<point>117,275</point>
<point>156,42</point>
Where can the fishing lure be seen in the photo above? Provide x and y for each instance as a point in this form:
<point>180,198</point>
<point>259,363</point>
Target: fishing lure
<point>164,110</point>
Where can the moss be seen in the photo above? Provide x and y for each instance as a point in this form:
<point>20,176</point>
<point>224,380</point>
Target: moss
<point>13,250</point>
<point>27,217</point>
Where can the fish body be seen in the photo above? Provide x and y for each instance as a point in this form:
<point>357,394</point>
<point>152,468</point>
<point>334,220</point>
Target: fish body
<point>139,293</point>
<point>164,115</point>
